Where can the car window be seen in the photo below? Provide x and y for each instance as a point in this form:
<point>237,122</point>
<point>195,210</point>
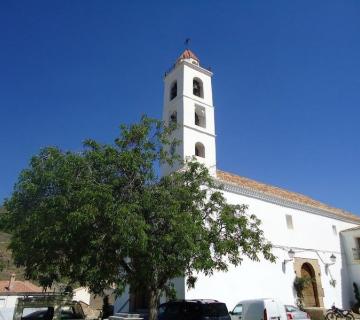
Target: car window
<point>172,310</point>
<point>69,312</point>
<point>38,313</point>
<point>214,310</point>
<point>238,309</point>
<point>291,309</point>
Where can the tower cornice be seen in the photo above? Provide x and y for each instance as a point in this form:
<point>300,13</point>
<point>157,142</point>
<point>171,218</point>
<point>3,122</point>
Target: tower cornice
<point>189,64</point>
<point>200,130</point>
<point>198,68</point>
<point>197,101</point>
<point>200,102</point>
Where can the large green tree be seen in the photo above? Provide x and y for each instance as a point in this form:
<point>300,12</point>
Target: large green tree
<point>104,216</point>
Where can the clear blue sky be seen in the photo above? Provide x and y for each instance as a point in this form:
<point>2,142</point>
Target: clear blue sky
<point>286,82</point>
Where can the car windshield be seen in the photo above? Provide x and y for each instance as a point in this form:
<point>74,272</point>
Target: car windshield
<point>214,310</point>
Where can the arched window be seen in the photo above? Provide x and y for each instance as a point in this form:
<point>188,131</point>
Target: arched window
<point>197,119</point>
<point>198,88</point>
<point>173,90</point>
<point>199,150</point>
<point>200,118</point>
<point>173,118</point>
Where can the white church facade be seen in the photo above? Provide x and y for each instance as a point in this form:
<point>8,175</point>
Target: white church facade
<point>309,238</point>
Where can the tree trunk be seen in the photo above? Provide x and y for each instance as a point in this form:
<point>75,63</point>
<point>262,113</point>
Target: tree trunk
<point>154,298</point>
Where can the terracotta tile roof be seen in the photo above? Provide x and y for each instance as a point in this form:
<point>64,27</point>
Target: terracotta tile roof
<point>283,194</point>
<point>19,286</point>
<point>188,54</point>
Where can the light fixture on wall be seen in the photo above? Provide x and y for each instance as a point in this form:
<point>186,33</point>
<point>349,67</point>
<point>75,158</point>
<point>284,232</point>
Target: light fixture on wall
<point>332,261</point>
<point>291,254</point>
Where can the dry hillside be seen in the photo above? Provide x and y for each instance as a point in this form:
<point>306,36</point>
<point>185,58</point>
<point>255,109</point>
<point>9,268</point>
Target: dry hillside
<point>5,258</point>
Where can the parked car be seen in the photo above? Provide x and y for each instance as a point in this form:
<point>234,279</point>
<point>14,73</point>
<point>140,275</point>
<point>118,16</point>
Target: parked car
<point>39,306</point>
<point>294,313</point>
<point>259,309</point>
<point>200,309</point>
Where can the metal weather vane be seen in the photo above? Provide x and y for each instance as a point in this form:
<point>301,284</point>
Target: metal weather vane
<point>187,42</point>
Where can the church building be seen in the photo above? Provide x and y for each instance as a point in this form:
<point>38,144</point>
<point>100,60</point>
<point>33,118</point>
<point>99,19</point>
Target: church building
<point>309,238</point>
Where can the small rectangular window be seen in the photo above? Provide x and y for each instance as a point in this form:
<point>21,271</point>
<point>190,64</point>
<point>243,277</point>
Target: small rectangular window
<point>289,222</point>
<point>357,241</point>
<point>334,230</point>
<point>356,250</point>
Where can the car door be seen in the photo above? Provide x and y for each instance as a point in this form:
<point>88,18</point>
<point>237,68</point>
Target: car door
<point>192,311</point>
<point>272,310</point>
<point>237,312</point>
<point>172,311</point>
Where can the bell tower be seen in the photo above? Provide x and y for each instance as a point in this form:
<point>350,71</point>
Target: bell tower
<point>188,102</point>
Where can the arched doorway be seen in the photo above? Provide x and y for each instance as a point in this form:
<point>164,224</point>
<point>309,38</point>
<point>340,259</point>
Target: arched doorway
<point>310,292</point>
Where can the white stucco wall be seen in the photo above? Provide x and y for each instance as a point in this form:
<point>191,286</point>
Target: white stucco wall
<point>82,294</point>
<point>312,238</point>
<point>122,302</point>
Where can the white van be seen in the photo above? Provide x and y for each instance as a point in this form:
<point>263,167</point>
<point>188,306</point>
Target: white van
<point>259,309</point>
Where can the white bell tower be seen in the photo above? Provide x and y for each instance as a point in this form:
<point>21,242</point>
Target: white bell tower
<point>188,102</point>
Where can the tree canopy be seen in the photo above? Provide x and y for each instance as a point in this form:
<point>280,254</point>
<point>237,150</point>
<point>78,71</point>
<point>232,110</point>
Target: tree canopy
<point>105,216</point>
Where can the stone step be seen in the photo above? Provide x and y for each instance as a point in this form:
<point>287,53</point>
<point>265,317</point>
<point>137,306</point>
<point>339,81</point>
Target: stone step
<point>123,316</point>
<point>128,315</point>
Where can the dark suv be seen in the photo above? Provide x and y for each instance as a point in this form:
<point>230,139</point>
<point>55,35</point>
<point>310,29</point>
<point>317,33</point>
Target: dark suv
<point>193,310</point>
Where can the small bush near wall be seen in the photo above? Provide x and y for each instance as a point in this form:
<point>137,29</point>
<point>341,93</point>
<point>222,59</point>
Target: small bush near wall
<point>299,285</point>
<point>356,306</point>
